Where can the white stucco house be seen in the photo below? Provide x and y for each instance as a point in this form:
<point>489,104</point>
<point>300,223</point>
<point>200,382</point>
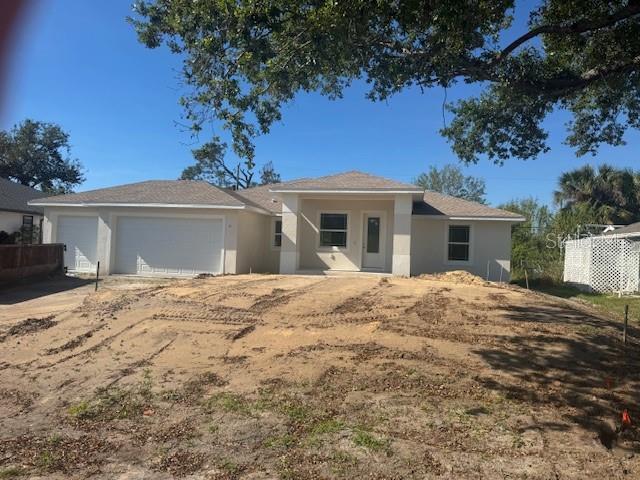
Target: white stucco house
<point>347,222</point>
<point>15,212</point>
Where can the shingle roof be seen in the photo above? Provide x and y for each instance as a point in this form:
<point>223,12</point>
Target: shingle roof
<point>445,205</point>
<point>14,197</point>
<point>190,192</point>
<point>351,181</point>
<point>262,197</point>
<point>631,228</point>
<point>174,192</point>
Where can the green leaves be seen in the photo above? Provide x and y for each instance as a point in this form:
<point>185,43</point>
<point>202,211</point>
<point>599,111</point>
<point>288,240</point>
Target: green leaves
<point>611,195</point>
<point>37,154</point>
<point>451,181</point>
<point>244,60</point>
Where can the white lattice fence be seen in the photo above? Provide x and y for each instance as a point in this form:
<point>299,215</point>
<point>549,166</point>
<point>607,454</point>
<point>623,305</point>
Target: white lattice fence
<point>603,264</point>
<point>577,262</point>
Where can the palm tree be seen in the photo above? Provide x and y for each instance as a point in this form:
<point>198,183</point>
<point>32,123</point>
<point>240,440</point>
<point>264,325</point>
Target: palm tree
<point>612,194</point>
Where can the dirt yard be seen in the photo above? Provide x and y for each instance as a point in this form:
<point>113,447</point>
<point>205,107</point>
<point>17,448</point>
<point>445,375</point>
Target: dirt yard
<point>292,377</point>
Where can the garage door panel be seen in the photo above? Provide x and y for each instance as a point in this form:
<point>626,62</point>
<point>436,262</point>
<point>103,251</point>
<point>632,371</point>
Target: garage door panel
<point>80,235</point>
<point>168,246</point>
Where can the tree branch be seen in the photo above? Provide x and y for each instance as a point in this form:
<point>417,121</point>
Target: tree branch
<point>581,26</point>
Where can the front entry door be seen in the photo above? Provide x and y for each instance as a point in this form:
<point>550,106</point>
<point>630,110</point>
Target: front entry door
<point>373,251</point>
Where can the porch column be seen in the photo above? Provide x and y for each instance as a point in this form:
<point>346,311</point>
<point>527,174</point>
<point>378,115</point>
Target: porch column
<point>289,253</point>
<point>401,262</point>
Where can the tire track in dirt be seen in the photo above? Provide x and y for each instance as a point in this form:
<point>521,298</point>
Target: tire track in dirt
<point>230,290</point>
<point>96,347</point>
<point>76,341</point>
<point>143,362</point>
<point>30,325</point>
<point>198,312</point>
<point>280,297</point>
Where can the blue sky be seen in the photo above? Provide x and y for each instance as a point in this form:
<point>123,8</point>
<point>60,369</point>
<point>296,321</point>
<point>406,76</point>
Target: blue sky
<point>78,64</point>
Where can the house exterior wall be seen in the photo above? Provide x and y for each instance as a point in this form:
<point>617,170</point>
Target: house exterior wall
<point>12,221</point>
<point>248,238</point>
<point>107,225</point>
<point>314,257</point>
<point>490,244</point>
<point>254,253</point>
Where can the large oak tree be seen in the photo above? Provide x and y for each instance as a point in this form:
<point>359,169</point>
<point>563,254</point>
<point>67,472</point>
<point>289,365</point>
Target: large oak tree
<point>37,154</point>
<point>244,59</point>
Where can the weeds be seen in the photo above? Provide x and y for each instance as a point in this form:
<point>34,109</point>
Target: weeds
<point>341,461</point>
<point>364,439</point>
<point>116,402</point>
<point>327,426</point>
<point>11,472</point>
<point>281,441</point>
<point>82,411</point>
<point>229,402</point>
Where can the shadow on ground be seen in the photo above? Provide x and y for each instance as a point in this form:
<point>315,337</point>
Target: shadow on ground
<point>10,295</point>
<point>588,375</point>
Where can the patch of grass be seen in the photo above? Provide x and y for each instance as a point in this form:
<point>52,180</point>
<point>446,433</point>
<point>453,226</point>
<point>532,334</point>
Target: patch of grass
<point>280,441</point>
<point>330,425</point>
<point>365,439</point>
<point>229,466</point>
<point>459,415</point>
<point>11,472</point>
<point>297,412</point>
<point>116,402</point>
<point>517,441</point>
<point>609,304</point>
<point>227,401</point>
<point>82,410</point>
<point>323,427</point>
<point>341,461</point>
<point>47,460</point>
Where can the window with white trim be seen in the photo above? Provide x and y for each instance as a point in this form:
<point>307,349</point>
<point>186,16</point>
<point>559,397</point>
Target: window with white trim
<point>458,243</point>
<point>277,233</point>
<point>333,229</point>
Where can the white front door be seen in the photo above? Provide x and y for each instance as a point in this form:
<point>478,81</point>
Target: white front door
<point>373,239</point>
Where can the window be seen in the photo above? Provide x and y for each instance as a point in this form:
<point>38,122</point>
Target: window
<point>333,229</point>
<point>27,220</point>
<point>458,245</point>
<point>277,233</point>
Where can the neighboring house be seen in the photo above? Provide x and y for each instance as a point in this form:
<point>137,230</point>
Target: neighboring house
<point>15,213</point>
<point>605,263</point>
<point>349,222</point>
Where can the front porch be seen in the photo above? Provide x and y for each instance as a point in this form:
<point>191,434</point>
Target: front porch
<point>359,232</point>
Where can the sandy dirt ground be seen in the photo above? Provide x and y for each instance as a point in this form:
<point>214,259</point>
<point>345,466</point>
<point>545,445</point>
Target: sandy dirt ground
<point>301,377</point>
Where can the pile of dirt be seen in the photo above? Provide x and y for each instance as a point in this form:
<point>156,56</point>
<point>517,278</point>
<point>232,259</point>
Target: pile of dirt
<point>246,376</point>
<point>456,276</point>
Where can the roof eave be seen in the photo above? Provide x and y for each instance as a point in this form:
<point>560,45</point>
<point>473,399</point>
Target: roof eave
<point>469,218</point>
<point>21,210</point>
<point>347,191</point>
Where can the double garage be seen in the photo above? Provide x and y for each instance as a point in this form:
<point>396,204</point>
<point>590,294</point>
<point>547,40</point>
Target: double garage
<point>144,245</point>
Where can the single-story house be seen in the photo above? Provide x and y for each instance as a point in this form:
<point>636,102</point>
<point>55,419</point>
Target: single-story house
<point>15,212</point>
<point>605,263</point>
<point>349,222</point>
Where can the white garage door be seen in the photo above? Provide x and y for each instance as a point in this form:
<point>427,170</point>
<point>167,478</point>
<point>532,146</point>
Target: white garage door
<point>168,246</point>
<point>80,235</point>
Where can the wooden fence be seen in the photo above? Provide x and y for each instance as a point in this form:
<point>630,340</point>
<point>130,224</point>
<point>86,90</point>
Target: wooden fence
<point>20,262</point>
